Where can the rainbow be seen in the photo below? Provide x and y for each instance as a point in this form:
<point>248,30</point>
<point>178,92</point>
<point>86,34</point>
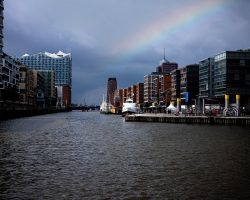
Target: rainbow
<point>170,23</point>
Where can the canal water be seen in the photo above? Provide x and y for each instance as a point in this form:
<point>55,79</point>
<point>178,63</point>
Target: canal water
<point>86,155</point>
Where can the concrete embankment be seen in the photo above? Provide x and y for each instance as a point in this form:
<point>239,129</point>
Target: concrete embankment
<point>164,118</point>
<point>12,114</point>
<point>11,110</point>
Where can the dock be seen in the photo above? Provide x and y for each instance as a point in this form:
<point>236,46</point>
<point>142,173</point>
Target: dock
<point>187,119</point>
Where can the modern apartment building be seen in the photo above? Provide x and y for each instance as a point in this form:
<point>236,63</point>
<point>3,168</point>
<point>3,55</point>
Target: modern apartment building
<point>206,74</point>
<point>151,88</point>
<point>39,86</point>
<point>60,63</point>
<point>111,87</point>
<point>9,77</point>
<point>232,75</point>
<point>189,83</point>
<point>164,89</point>
<point>26,86</point>
<point>139,93</point>
<point>175,84</point>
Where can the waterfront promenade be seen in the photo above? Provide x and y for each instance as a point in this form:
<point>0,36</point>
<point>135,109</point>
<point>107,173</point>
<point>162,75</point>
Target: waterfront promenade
<point>188,119</point>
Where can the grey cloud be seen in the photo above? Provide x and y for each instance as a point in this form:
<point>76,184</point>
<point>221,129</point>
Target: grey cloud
<point>90,30</point>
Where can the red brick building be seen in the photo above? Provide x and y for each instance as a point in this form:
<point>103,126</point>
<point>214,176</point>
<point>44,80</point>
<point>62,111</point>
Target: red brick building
<point>139,94</point>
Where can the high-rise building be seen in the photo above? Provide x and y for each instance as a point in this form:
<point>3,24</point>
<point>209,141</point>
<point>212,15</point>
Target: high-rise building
<point>165,66</point>
<point>1,29</point>
<point>2,84</point>
<point>60,63</point>
<point>111,87</point>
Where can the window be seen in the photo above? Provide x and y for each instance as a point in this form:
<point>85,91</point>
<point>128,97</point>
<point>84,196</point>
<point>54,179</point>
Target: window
<point>242,63</point>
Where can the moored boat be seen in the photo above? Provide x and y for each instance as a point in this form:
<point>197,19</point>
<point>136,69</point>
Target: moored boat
<point>105,107</point>
<point>129,107</point>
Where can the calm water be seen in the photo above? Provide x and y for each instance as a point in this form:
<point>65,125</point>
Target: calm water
<point>81,155</point>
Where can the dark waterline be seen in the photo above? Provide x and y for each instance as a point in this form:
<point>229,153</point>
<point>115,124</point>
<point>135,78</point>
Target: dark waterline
<point>80,155</point>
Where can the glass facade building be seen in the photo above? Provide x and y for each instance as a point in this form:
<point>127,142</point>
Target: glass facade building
<point>60,63</point>
<point>232,73</point>
<point>189,83</point>
<point>1,29</point>
<point>206,73</point>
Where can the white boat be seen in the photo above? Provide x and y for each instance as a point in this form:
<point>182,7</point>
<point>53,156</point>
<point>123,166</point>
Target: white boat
<point>129,107</point>
<point>105,107</point>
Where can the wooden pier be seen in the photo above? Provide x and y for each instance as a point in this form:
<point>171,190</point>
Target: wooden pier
<point>165,118</point>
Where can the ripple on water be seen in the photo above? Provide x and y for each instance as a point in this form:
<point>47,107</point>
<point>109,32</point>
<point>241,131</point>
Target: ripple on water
<point>81,155</point>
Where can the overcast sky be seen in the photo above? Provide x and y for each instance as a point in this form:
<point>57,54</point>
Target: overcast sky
<point>124,38</point>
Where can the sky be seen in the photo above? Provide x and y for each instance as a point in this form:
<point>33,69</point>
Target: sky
<point>124,39</point>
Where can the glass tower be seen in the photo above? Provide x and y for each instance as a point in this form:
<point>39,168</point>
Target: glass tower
<point>60,63</point>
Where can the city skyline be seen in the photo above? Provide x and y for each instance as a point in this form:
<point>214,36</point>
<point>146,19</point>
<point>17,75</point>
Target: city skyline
<point>126,39</point>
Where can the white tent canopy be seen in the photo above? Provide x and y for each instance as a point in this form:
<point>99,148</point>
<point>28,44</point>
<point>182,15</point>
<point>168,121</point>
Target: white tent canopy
<point>171,107</point>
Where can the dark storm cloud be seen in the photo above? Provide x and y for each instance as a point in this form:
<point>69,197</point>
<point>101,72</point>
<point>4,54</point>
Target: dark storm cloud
<point>91,30</point>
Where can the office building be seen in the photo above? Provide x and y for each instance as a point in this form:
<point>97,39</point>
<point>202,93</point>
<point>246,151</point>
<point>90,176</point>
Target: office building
<point>206,73</point>
<point>111,87</point>
<point>189,84</point>
<point>165,66</point>
<point>232,76</point>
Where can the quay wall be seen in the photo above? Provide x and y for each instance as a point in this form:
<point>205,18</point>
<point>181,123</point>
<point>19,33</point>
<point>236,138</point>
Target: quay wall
<point>10,110</point>
<point>244,121</point>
